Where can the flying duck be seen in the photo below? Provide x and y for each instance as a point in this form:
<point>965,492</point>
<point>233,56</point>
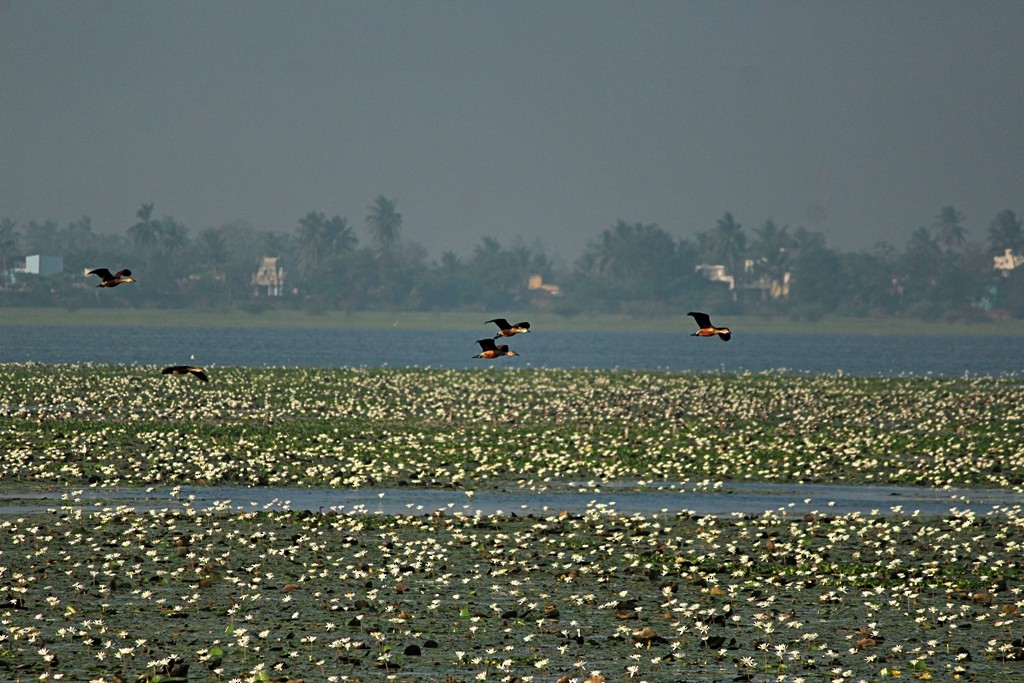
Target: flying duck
<point>184,370</point>
<point>707,329</point>
<point>491,350</point>
<point>108,280</point>
<point>507,330</point>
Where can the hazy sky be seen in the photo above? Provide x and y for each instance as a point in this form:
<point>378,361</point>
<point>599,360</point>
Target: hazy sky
<point>520,120</point>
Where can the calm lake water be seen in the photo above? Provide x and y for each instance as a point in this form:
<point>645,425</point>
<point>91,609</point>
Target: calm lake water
<point>852,354</point>
<point>792,500</point>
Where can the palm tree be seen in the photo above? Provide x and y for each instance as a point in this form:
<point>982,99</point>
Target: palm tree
<point>321,240</point>
<point>773,247</point>
<point>171,236</point>
<point>1005,233</point>
<point>144,233</point>
<point>952,233</point>
<point>772,242</point>
<point>384,223</point>
<point>340,237</point>
<point>312,242</point>
<point>729,244</point>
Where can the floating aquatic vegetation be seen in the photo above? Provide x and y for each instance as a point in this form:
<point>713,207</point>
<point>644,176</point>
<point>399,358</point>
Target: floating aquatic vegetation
<point>534,429</point>
<point>219,594</point>
<point>285,595</point>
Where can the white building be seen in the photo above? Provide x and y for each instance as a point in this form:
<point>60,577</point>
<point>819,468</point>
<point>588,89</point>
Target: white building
<point>39,264</point>
<point>270,276</point>
<point>716,273</point>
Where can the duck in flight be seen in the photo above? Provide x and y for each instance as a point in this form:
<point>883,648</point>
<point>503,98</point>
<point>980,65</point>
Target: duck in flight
<point>492,350</point>
<point>507,330</point>
<point>185,370</point>
<point>108,280</point>
<point>707,329</point>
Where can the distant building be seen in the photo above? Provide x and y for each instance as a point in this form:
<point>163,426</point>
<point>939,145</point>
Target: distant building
<point>1007,262</point>
<point>780,288</point>
<point>774,286</point>
<point>716,273</point>
<point>536,283</point>
<point>40,264</point>
<point>269,275</point>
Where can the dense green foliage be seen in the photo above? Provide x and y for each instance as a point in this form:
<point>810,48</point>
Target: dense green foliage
<point>633,268</point>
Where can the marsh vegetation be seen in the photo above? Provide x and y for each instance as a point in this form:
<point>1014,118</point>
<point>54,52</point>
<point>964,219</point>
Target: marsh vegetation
<point>106,593</point>
<point>530,429</point>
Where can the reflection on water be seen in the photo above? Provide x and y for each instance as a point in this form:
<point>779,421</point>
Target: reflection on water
<point>708,499</point>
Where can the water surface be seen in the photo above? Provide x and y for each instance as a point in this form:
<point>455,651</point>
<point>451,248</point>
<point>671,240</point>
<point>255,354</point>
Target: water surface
<point>727,498</point>
<point>852,354</point>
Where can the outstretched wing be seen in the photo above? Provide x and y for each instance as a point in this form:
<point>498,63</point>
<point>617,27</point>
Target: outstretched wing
<point>124,273</point>
<point>102,272</point>
<point>183,369</point>
<point>523,326</point>
<point>500,322</point>
<point>487,344</point>
<point>703,319</point>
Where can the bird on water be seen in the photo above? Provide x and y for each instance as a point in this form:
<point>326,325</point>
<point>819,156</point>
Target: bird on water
<point>707,329</point>
<point>112,280</point>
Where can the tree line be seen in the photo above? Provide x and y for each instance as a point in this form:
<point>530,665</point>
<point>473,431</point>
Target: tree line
<point>633,268</point>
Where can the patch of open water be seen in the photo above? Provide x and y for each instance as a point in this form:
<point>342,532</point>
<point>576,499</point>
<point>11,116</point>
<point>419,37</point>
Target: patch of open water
<point>948,355</point>
<point>722,498</point>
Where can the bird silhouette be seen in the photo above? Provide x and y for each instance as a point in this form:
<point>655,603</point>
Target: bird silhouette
<point>707,329</point>
<point>184,370</point>
<point>507,330</point>
<point>492,350</point>
<point>108,280</point>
